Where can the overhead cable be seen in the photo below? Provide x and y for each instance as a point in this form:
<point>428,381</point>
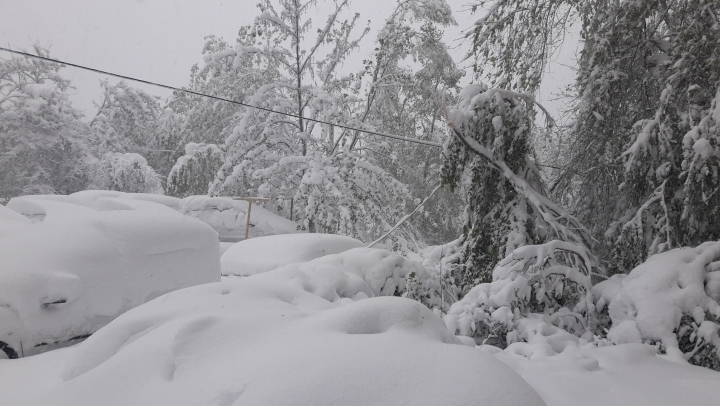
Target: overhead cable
<point>147,82</point>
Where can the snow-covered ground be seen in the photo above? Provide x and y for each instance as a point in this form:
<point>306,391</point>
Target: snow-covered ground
<point>257,255</point>
<point>315,321</point>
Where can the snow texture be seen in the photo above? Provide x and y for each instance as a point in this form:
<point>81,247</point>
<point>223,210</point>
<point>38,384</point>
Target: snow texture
<point>69,268</point>
<point>305,334</point>
<point>650,302</point>
<point>263,254</point>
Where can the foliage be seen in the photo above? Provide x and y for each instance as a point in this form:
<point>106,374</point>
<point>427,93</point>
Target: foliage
<point>125,172</point>
<point>43,143</point>
<point>550,281</point>
<point>194,171</point>
<point>489,159</point>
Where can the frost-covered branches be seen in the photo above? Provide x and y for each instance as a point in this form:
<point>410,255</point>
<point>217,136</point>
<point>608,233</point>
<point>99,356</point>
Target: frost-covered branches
<point>125,172</point>
<point>489,159</point>
<point>43,142</point>
<point>549,281</point>
<point>514,40</point>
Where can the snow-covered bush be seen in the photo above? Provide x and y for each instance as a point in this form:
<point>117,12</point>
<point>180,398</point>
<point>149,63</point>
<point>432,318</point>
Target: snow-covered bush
<point>550,282</point>
<point>127,172</point>
<point>194,171</point>
<point>671,299</point>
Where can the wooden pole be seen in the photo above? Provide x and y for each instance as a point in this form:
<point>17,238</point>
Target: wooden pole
<point>247,225</point>
<point>250,201</point>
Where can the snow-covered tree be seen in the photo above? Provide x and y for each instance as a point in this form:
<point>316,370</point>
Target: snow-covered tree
<point>125,172</point>
<point>402,98</point>
<point>672,159</point>
<point>194,172</point>
<point>307,168</point>
<point>127,118</point>
<point>489,160</point>
<point>132,120</point>
<point>42,138</point>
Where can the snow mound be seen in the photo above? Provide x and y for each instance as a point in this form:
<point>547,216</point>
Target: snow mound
<point>628,374</point>
<point>264,254</point>
<point>651,302</point>
<point>273,339</point>
<point>228,217</point>
<point>77,268</point>
<point>354,274</point>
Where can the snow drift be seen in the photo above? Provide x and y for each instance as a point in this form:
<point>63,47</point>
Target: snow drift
<point>263,254</point>
<point>305,334</point>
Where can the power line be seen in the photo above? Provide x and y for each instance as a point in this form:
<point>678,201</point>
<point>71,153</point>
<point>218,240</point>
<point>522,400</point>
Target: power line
<point>147,82</point>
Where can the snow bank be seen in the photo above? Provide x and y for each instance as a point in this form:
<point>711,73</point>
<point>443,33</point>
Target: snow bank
<point>263,254</point>
<point>228,217</point>
<point>76,268</point>
<point>628,374</point>
<point>304,334</point>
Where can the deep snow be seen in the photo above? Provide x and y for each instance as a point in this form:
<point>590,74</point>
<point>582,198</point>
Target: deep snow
<point>262,254</point>
<point>291,336</point>
<point>315,322</point>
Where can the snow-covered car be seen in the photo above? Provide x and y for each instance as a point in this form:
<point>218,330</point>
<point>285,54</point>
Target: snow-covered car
<point>71,264</point>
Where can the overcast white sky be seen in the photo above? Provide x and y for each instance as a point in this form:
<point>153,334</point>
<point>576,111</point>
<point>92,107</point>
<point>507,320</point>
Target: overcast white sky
<point>159,40</point>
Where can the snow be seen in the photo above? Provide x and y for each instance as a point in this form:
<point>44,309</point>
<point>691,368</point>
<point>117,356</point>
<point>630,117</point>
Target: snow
<point>73,268</point>
<point>277,338</point>
<point>652,298</point>
<point>263,254</point>
<point>629,374</point>
<point>228,217</point>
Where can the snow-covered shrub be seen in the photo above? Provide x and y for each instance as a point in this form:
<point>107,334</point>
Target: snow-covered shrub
<point>671,299</point>
<point>437,289</point>
<point>549,281</point>
<point>127,172</point>
<point>194,171</point>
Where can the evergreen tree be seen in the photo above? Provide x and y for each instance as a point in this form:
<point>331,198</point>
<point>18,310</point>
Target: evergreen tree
<point>489,160</point>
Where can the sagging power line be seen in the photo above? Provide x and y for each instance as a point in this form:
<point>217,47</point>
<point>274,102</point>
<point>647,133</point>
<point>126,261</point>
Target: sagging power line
<point>147,82</point>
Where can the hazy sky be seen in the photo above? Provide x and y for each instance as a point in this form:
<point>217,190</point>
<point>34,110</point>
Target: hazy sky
<point>159,40</point>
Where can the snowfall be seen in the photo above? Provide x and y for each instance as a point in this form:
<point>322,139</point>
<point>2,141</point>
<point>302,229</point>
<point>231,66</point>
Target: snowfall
<point>110,298</point>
